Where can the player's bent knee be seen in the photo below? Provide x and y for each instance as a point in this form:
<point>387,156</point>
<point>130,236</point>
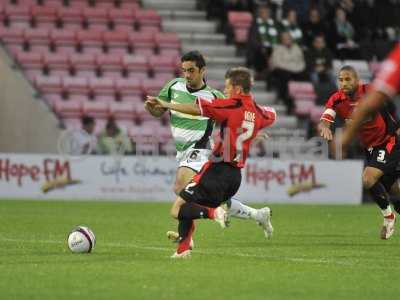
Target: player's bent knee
<point>174,212</point>
<point>177,188</point>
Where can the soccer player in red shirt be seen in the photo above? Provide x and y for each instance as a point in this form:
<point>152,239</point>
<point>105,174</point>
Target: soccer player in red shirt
<point>240,119</point>
<point>377,135</point>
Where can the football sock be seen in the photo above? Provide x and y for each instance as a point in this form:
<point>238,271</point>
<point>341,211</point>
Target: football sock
<point>238,210</point>
<point>192,211</point>
<point>381,197</point>
<point>185,229</point>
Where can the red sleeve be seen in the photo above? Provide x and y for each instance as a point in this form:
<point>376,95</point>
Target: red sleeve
<point>387,80</point>
<point>269,115</point>
<point>217,109</point>
<point>329,114</point>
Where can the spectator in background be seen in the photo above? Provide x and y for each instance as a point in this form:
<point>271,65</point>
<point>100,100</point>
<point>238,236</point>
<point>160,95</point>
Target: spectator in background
<point>287,63</point>
<point>319,67</point>
<point>263,35</point>
<point>313,26</point>
<point>113,140</point>
<point>342,36</point>
<point>289,24</point>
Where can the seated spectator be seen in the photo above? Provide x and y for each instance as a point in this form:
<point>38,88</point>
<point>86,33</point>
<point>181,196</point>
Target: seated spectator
<point>289,24</point>
<point>263,35</point>
<point>342,37</point>
<point>287,63</point>
<point>319,67</point>
<point>313,26</point>
<point>113,140</point>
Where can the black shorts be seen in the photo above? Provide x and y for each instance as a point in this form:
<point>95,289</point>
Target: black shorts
<point>386,159</point>
<point>216,183</point>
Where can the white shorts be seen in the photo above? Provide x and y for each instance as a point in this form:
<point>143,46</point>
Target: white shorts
<point>193,158</point>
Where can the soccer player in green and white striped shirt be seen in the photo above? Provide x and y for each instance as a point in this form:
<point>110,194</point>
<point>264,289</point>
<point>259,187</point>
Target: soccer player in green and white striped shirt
<point>192,133</point>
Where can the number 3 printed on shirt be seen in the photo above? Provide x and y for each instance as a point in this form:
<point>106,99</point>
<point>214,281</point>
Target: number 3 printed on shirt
<point>381,155</point>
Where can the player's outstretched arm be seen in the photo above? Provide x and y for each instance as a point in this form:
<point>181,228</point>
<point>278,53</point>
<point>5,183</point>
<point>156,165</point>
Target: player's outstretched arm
<point>372,102</point>
<point>154,110</point>
<point>325,130</point>
<point>187,108</point>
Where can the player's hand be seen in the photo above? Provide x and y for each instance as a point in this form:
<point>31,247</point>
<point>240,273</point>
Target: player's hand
<point>325,132</point>
<point>155,102</point>
<point>261,136</point>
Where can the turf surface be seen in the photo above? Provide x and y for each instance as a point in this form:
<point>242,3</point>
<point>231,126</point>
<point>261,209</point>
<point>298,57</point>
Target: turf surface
<point>317,252</point>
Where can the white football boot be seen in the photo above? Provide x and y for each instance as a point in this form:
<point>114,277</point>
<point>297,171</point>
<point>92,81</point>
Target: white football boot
<point>264,220</point>
<point>184,254</point>
<point>388,226</point>
<point>221,216</point>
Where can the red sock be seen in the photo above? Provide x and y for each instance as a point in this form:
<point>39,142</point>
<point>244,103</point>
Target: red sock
<point>211,213</point>
<point>185,244</point>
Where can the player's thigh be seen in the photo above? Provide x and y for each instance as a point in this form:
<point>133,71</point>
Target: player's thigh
<point>183,176</point>
<point>176,206</point>
<point>370,176</point>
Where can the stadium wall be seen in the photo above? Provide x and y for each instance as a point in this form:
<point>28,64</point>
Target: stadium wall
<point>150,178</point>
<point>26,123</point>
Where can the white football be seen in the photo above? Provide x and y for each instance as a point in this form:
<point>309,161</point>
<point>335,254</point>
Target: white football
<point>81,240</point>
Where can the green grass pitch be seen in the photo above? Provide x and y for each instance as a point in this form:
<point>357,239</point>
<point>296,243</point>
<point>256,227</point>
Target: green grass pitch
<point>317,252</point>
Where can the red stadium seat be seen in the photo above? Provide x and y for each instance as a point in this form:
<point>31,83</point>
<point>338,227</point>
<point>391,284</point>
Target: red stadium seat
<point>303,107</point>
<point>102,86</point>
<point>37,36</point>
<point>83,65</point>
<point>69,109</point>
<point>241,35</point>
<point>96,109</point>
<point>167,40</point>
<point>303,90</point>
<point>30,60</point>
<point>122,19</point>
<point>90,41</point>
<point>64,40</point>
<point>152,86</point>
<point>240,19</point>
<point>316,113</point>
<point>142,40</point>
<point>135,65</point>
<point>57,63</point>
<point>163,64</point>
<point>116,41</point>
<point>110,65</point>
<point>49,84</point>
<point>71,17</point>
<point>44,15</point>
<point>18,16</point>
<point>148,18</point>
<point>75,85</point>
<point>12,35</point>
<point>96,17</point>
<point>122,110</point>
<point>128,87</point>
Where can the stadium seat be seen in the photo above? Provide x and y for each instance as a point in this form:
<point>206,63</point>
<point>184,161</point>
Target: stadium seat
<point>303,90</point>
<point>75,85</point>
<point>122,19</point>
<point>116,42</point>
<point>129,89</point>
<point>303,107</point>
<point>96,18</point>
<point>101,86</point>
<point>142,40</point>
<point>135,65</point>
<point>18,15</point>
<point>64,40</point>
<point>49,84</point>
<point>83,65</point>
<point>163,64</point>
<point>240,23</point>
<point>167,40</point>
<point>316,113</point>
<point>71,17</point>
<point>122,110</point>
<point>12,35</point>
<point>152,86</point>
<point>30,60</point>
<point>96,109</point>
<point>69,109</point>
<point>109,65</point>
<point>37,39</point>
<point>374,67</point>
<point>44,15</point>
<point>90,41</point>
<point>148,18</point>
<point>57,63</point>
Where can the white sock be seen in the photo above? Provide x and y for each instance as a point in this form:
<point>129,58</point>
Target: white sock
<point>239,210</point>
<point>387,211</point>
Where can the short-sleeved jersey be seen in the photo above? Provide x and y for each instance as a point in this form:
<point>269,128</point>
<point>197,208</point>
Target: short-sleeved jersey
<point>387,80</point>
<point>187,130</point>
<point>240,119</point>
<point>373,132</point>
